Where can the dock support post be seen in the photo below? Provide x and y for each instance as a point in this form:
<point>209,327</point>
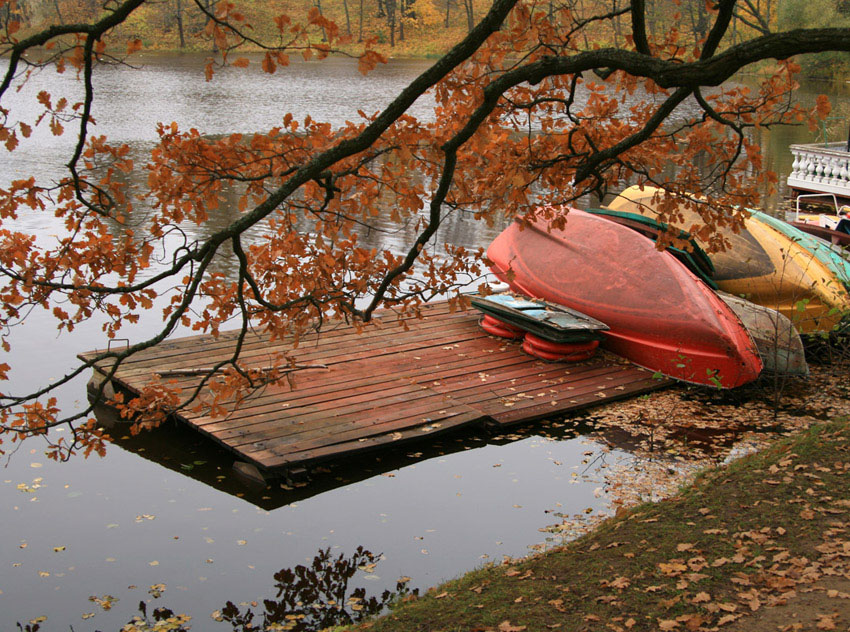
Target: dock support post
<point>249,473</point>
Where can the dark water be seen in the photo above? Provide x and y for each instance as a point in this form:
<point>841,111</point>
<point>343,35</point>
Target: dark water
<point>165,509</point>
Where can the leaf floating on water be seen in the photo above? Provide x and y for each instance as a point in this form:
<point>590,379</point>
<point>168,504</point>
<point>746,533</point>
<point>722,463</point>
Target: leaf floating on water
<point>58,549</point>
<point>106,602</point>
<point>153,563</point>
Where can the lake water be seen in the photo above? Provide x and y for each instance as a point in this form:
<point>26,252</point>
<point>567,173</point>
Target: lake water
<point>165,508</point>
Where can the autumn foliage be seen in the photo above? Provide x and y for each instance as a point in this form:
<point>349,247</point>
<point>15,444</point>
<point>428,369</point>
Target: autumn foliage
<point>535,108</point>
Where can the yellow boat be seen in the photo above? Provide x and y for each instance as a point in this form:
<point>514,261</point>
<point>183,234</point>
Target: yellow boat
<point>763,266</point>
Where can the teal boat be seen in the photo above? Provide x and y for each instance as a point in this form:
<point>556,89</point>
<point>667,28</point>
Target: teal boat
<point>832,259</point>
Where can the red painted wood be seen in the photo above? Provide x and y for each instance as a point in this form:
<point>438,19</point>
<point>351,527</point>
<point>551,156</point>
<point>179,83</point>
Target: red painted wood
<point>384,387</point>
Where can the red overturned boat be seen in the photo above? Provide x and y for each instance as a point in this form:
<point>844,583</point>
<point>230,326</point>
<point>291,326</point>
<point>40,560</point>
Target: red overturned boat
<point>660,315</point>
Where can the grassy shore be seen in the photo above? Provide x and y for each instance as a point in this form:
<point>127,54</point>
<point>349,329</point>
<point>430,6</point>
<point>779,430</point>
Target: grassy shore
<point>728,552</point>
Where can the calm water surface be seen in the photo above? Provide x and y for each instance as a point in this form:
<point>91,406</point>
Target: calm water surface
<point>166,509</point>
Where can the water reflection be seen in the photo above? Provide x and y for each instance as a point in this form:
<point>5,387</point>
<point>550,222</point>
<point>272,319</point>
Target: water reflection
<point>307,599</point>
<point>316,597</point>
<point>180,449</point>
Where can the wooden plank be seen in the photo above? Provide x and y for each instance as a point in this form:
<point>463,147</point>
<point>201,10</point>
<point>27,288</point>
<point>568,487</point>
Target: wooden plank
<point>449,332</point>
<point>580,402</point>
<point>383,386</point>
<point>207,345</point>
<point>327,388</point>
<point>426,414</point>
<point>273,459</point>
<point>417,407</point>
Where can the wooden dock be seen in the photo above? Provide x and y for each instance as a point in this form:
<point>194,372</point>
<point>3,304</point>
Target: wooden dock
<point>382,386</point>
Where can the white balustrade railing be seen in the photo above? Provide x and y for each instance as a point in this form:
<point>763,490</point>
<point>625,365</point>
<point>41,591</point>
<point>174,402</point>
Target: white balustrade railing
<point>821,168</point>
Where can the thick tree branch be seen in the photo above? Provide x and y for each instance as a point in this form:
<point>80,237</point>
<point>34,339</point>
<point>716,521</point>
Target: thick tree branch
<point>721,26</point>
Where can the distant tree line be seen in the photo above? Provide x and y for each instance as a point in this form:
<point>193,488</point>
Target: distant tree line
<point>391,21</point>
<point>394,21</point>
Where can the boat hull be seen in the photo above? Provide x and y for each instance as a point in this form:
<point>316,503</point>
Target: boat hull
<point>832,236</point>
<point>833,260</point>
<point>764,266</point>
<point>660,315</point>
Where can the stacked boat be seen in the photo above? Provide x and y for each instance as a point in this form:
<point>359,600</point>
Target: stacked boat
<point>716,319</point>
<point>770,263</point>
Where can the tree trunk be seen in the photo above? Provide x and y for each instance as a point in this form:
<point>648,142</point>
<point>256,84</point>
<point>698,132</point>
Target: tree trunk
<point>699,20</point>
<point>470,18</point>
<point>360,27</point>
<point>58,12</point>
<point>615,24</point>
<point>179,4</point>
<point>448,7</point>
<point>347,18</point>
<point>390,7</point>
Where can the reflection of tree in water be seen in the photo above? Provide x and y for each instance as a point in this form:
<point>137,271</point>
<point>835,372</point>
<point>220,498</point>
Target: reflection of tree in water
<point>316,597</point>
<point>308,599</point>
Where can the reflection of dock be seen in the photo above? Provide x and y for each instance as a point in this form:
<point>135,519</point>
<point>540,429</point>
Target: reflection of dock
<point>384,386</point>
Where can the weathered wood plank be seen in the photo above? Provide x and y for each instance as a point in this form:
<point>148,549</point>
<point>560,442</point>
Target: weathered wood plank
<point>365,379</point>
<point>393,341</point>
<point>338,333</point>
<point>403,381</point>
